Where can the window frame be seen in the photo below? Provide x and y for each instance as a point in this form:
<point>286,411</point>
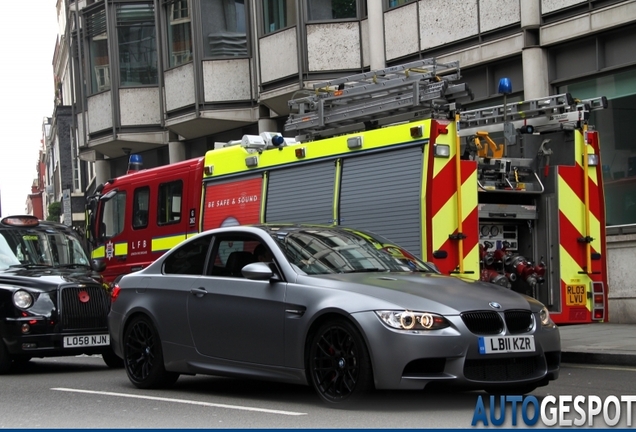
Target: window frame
<point>137,207</point>
<point>264,31</point>
<point>361,13</point>
<point>160,190</point>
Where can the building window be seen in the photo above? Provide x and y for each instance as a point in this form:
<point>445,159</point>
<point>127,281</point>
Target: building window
<point>278,14</point>
<point>396,3</point>
<point>137,43</point>
<point>98,52</point>
<point>169,207</point>
<point>224,24</point>
<point>75,161</point>
<point>179,32</point>
<point>618,148</point>
<point>141,204</point>
<point>323,10</point>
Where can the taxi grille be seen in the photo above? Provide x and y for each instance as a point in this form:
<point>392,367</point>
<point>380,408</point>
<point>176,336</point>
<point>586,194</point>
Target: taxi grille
<point>506,369</point>
<point>79,315</point>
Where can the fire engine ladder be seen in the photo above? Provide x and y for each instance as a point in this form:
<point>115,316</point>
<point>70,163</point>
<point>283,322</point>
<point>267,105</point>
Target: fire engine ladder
<point>376,98</point>
<point>560,111</point>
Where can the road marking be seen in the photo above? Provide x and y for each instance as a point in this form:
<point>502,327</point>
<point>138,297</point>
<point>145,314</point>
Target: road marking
<point>183,401</point>
<point>618,368</point>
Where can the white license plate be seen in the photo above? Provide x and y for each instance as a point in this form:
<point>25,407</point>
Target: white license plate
<point>506,344</point>
<point>86,341</point>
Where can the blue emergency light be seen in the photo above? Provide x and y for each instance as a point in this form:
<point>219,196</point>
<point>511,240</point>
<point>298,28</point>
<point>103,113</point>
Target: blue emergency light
<point>505,86</point>
<point>135,163</point>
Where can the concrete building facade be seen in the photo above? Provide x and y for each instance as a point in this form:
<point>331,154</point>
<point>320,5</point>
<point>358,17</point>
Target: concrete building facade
<point>168,79</point>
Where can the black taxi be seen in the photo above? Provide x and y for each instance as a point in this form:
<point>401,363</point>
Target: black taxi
<point>52,300</point>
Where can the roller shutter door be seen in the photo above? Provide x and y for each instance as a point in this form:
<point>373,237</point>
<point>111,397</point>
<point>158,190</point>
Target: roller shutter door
<point>380,192</point>
<point>301,194</point>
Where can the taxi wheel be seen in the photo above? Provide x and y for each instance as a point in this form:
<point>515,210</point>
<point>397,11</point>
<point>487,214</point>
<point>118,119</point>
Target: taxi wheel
<point>143,356</point>
<point>339,365</point>
<point>5,360</point>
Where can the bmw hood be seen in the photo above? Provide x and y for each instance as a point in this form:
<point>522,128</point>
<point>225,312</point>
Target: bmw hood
<point>425,292</point>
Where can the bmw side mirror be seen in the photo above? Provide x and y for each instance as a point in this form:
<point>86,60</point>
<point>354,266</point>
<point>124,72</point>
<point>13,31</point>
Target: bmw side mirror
<point>258,271</point>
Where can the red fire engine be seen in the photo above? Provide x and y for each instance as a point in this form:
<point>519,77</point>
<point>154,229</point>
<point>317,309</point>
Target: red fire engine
<point>391,152</point>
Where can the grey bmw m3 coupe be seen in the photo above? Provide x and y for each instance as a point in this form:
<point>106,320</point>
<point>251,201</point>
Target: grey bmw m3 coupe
<point>339,309</point>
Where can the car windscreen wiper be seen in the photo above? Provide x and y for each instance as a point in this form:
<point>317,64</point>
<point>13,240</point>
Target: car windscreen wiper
<point>30,266</point>
<point>71,266</point>
<point>366,270</point>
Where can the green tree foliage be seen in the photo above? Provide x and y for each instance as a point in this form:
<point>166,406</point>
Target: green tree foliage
<point>55,210</point>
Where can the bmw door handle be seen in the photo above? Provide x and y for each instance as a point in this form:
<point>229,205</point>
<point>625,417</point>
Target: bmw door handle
<point>199,292</point>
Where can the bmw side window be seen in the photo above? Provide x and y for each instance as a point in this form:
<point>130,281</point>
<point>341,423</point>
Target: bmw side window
<point>189,259</point>
<point>231,254</point>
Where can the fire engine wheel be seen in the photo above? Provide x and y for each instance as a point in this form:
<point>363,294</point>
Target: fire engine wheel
<point>5,360</point>
<point>143,357</point>
<point>112,360</point>
<point>339,367</point>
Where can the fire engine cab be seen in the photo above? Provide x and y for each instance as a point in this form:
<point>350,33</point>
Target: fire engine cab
<point>390,151</point>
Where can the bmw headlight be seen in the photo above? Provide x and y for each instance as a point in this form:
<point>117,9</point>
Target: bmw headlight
<point>544,317</point>
<point>408,320</point>
<point>22,299</point>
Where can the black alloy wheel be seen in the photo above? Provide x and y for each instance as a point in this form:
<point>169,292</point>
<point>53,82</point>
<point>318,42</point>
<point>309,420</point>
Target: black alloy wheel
<point>143,357</point>
<point>339,364</point>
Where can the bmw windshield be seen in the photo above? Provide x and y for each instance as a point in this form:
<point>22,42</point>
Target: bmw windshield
<point>29,247</point>
<point>323,251</point>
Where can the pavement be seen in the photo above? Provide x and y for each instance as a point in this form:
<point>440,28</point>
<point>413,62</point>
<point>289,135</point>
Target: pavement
<point>599,343</point>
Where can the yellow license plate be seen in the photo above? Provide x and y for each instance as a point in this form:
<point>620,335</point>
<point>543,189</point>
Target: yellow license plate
<point>575,295</point>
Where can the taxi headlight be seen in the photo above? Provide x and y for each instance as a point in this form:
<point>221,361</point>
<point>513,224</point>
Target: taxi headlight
<point>410,320</point>
<point>544,316</point>
<point>22,299</point>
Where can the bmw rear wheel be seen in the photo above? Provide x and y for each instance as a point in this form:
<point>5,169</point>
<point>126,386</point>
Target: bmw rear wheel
<point>112,360</point>
<point>339,364</point>
<point>143,357</point>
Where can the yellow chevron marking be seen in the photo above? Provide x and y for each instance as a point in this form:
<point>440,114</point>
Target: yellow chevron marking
<point>166,243</point>
<point>444,223</point>
<point>574,210</point>
<point>570,274</point>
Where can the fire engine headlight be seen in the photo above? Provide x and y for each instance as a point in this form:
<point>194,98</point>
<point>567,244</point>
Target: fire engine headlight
<point>409,320</point>
<point>544,317</point>
<point>592,159</point>
<point>22,299</point>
